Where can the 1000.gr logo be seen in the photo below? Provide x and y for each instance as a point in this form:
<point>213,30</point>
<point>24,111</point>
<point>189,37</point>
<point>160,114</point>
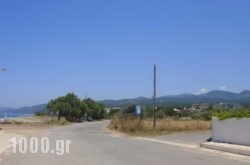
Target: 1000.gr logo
<point>62,146</point>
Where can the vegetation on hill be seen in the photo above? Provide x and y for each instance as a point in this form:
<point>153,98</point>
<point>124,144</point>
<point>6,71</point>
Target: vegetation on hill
<point>213,97</point>
<point>166,111</point>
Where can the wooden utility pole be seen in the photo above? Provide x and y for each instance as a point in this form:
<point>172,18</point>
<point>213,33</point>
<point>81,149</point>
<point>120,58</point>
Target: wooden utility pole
<point>154,97</point>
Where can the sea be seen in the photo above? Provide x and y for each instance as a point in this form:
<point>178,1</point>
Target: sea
<point>14,115</point>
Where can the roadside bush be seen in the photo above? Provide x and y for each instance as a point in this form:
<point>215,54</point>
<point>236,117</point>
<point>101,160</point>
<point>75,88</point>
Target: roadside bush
<point>202,115</point>
<point>112,113</point>
<point>62,121</point>
<point>225,114</point>
<point>17,122</point>
<point>41,113</point>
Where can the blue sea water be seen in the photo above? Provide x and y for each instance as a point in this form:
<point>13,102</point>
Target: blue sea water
<point>14,115</point>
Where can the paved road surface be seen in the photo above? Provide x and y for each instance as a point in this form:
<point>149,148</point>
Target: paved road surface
<point>92,145</point>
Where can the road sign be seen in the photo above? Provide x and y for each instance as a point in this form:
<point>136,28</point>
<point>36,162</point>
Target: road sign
<point>138,110</point>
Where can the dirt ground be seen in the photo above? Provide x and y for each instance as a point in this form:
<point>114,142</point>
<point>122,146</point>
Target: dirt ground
<point>22,126</point>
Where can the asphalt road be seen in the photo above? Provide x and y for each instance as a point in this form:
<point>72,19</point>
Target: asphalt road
<point>91,144</point>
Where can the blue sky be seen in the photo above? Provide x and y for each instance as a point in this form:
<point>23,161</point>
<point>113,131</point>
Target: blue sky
<point>106,49</point>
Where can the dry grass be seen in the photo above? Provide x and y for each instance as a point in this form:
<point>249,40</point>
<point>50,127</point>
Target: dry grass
<point>62,121</point>
<point>163,126</point>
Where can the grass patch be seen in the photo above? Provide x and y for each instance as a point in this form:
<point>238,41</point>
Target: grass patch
<point>17,122</point>
<point>62,121</point>
<point>135,126</point>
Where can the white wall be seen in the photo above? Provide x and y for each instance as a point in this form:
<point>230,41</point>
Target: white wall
<point>231,131</point>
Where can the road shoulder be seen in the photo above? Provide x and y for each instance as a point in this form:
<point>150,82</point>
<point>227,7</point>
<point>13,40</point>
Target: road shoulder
<point>231,148</point>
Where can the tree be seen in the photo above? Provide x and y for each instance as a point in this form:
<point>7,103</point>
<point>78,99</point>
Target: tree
<point>73,109</point>
<point>130,109</point>
<point>94,109</point>
<point>68,106</point>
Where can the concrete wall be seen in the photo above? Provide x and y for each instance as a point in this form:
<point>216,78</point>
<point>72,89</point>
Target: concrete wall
<point>231,131</point>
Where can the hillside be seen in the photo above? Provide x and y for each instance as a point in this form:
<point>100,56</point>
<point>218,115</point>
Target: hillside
<point>214,97</point>
<point>25,110</point>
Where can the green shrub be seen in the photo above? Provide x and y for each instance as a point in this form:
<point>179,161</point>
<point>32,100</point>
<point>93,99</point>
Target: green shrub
<point>41,113</point>
<point>62,121</point>
<point>19,122</point>
<point>238,114</point>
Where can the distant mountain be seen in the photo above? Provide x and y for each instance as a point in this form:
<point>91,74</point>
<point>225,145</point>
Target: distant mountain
<point>220,94</point>
<point>245,93</point>
<point>5,109</point>
<point>214,97</point>
<point>25,110</point>
<point>125,102</point>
